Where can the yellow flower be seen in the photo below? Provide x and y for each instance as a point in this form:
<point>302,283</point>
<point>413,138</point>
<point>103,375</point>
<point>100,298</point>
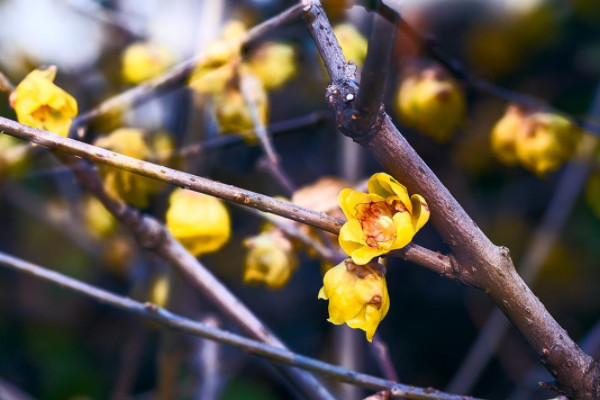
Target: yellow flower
<point>546,142</point>
<point>98,220</point>
<point>130,188</point>
<point>270,259</point>
<point>142,61</point>
<point>160,290</point>
<point>357,295</point>
<point>200,222</point>
<point>232,112</point>
<point>432,102</point>
<point>218,66</point>
<point>39,103</point>
<point>353,43</point>
<point>383,220</point>
<point>274,64</point>
<point>540,141</point>
<point>504,134</point>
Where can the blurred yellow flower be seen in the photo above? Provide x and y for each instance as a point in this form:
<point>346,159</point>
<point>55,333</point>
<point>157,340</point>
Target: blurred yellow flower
<point>98,220</point>
<point>540,141</point>
<point>232,112</point>
<point>142,61</point>
<point>353,43</point>
<point>130,188</point>
<point>357,295</point>
<point>270,260</point>
<point>160,290</point>
<point>432,102</point>
<point>200,222</point>
<point>274,64</point>
<point>383,220</point>
<point>39,103</point>
<point>217,68</point>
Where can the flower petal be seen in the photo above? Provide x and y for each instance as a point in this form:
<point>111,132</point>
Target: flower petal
<point>420,214</point>
<point>404,230</point>
<point>385,186</point>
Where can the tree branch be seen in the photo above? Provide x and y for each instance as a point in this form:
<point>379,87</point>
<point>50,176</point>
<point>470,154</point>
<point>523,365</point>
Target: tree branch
<point>481,263</point>
<point>173,321</point>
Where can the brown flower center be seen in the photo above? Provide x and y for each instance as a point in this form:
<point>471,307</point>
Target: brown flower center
<point>376,220</point>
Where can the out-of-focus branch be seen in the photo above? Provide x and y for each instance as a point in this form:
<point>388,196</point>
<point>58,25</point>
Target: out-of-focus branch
<point>6,85</point>
<point>478,261</point>
<point>175,76</point>
<point>272,158</point>
<point>173,321</point>
<point>431,47</point>
<point>9,391</point>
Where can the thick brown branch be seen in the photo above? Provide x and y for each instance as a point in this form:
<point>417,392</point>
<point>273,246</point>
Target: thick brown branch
<point>481,262</point>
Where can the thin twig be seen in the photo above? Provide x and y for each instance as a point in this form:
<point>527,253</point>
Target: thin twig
<point>173,77</point>
<point>9,391</point>
<point>173,321</point>
<point>272,158</point>
<point>6,85</point>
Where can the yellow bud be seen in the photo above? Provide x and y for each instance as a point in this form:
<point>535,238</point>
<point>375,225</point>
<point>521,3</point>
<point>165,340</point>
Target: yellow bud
<point>270,259</point>
<point>540,141</point>
<point>274,64</point>
<point>233,114</point>
<point>14,156</point>
<point>200,222</point>
<point>504,134</point>
<point>432,102</point>
<point>380,221</point>
<point>218,67</point>
<point>357,295</point>
<point>126,186</point>
<point>546,141</point>
<point>353,43</point>
<point>98,220</point>
<point>160,290</point>
<point>39,103</point>
<point>143,61</point>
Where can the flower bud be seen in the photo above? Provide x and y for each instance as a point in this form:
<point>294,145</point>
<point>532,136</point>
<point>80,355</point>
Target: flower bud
<point>142,61</point>
<point>98,220</point>
<point>432,102</point>
<point>39,103</point>
<point>357,295</point>
<point>274,64</point>
<point>126,186</point>
<point>270,259</point>
<point>199,222</point>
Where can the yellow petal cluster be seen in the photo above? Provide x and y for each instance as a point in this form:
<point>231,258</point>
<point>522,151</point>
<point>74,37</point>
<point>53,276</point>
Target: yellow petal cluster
<point>39,103</point>
<point>217,68</point>
<point>380,221</point>
<point>270,259</point>
<point>357,295</point>
<point>232,112</point>
<point>142,61</point>
<point>199,222</point>
<point>98,220</point>
<point>432,102</point>
<point>130,188</point>
<point>274,64</point>
<point>353,43</point>
<point>539,141</point>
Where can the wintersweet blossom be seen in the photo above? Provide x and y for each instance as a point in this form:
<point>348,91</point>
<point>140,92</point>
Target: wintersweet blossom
<point>357,295</point>
<point>380,221</point>
<point>198,221</point>
<point>39,103</point>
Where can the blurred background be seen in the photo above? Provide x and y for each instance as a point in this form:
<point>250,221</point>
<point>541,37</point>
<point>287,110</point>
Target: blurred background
<point>58,345</point>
